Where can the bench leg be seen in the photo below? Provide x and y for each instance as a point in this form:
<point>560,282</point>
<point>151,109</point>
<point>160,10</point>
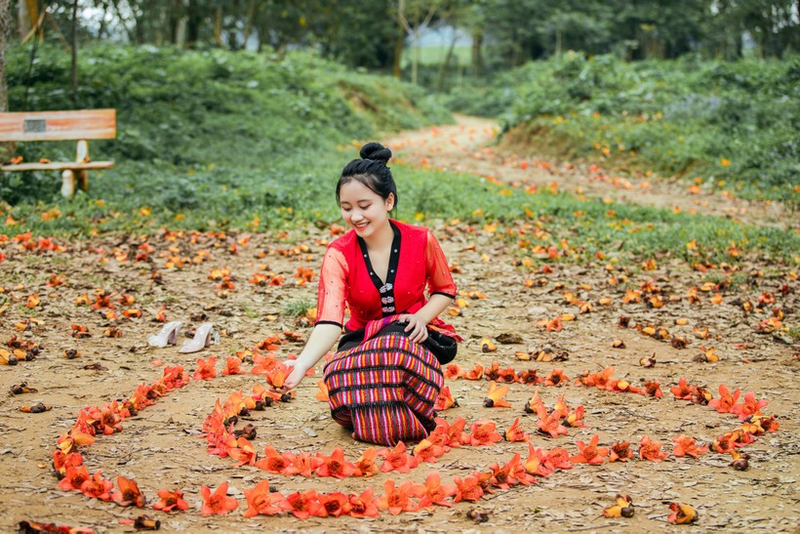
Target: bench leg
<point>83,180</point>
<point>67,183</point>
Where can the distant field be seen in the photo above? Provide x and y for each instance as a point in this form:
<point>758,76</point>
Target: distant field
<point>434,55</point>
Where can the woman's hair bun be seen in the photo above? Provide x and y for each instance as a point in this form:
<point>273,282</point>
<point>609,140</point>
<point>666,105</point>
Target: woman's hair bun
<point>375,152</point>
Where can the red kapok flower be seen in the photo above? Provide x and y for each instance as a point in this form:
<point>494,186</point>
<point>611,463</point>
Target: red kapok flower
<point>436,492</point>
<point>445,400</point>
<point>363,505</point>
<point>397,500</point>
<point>515,433</point>
<point>128,494</point>
<point>396,459</point>
<point>232,366</point>
<point>74,477</point>
<point>334,504</point>
<point>686,445</point>
<point>217,503</point>
<point>303,505</point>
<point>365,466</point>
<point>97,487</point>
<point>537,462</point>
<point>427,451</point>
<point>620,451</point>
<point>651,450</point>
<point>335,465</point>
<point>245,453</point>
<point>171,500</point>
<point>205,369</point>
<point>483,433</point>
<point>749,407</point>
<point>261,501</point>
<point>274,462</point>
<point>591,453</point>
<point>726,400</point>
<point>468,489</point>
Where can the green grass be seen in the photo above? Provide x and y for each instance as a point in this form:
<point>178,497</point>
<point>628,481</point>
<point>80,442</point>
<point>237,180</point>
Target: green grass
<point>243,142</point>
<point>732,125</point>
<point>435,55</point>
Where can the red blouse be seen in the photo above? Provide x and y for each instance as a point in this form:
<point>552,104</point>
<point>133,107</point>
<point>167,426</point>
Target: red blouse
<point>416,261</point>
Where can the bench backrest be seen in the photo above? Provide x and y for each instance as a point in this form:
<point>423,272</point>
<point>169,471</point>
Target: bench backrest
<point>58,125</point>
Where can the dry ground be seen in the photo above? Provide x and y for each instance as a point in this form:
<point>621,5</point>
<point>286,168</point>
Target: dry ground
<point>160,447</point>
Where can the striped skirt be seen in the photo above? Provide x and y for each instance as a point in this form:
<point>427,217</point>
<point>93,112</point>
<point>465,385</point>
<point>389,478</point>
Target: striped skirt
<point>384,389</point>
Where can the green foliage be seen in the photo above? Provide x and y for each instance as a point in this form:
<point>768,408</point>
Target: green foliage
<point>228,134</point>
<point>723,122</point>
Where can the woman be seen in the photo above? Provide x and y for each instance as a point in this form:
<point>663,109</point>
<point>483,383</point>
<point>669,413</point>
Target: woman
<point>385,377</point>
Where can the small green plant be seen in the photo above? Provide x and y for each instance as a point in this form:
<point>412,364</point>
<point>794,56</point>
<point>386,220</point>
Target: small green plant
<point>296,308</point>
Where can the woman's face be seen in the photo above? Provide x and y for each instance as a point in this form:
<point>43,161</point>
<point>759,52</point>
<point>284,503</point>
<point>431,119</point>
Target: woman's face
<point>363,209</point>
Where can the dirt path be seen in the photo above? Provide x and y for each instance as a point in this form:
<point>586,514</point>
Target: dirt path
<point>502,299</point>
<point>469,146</point>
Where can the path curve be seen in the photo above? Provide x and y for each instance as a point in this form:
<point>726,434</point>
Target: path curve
<point>471,146</point>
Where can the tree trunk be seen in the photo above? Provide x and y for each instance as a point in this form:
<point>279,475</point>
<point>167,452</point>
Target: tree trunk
<point>398,54</point>
<point>218,26</point>
<point>446,65</point>
<point>248,22</point>
<point>175,16</point>
<point>194,19</point>
<point>477,59</point>
<point>6,149</point>
<point>74,74</point>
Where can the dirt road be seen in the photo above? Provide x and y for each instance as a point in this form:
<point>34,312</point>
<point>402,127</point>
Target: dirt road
<point>233,281</point>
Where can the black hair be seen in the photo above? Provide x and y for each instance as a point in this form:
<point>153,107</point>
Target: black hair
<point>371,171</point>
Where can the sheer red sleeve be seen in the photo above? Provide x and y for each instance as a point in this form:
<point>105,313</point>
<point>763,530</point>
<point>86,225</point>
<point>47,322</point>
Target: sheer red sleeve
<point>332,288</point>
<point>440,280</point>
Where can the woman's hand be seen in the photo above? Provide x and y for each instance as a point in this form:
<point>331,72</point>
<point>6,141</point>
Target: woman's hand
<point>295,376</point>
<point>417,328</point>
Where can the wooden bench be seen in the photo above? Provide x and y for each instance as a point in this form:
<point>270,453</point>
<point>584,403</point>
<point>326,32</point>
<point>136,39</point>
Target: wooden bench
<point>79,125</point>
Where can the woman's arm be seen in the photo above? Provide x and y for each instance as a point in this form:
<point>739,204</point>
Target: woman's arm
<point>322,338</point>
<point>418,322</point>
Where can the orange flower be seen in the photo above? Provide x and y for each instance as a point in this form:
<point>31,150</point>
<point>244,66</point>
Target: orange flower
<point>493,371</point>
<point>62,461</point>
<point>365,466</point>
<point>749,407</point>
<point>217,503</point>
<point>128,493</point>
<point>436,492</point>
<point>598,380</point>
<point>561,408</point>
<point>362,505</point>
<point>686,445</point>
<point>549,423</point>
<point>468,489</point>
<point>681,514</point>
<point>335,465</point>
<point>448,435</point>
<point>507,476</point>
<point>427,451</point>
<point>476,373</point>
<point>245,453</point>
<point>620,451</point>
<point>651,450</point>
<point>444,400</point>
<point>303,505</point>
<point>396,459</point>
<point>303,464</point>
<point>575,419</point>
<point>322,394</point>
<point>537,462</point>
<point>453,372</point>
<point>483,433</point>
<point>494,398</point>
<point>274,462</point>
<point>74,477</point>
<point>727,442</point>
<point>555,378</point>
<point>232,365</point>
<point>205,369</point>
<point>559,458</point>
<point>591,453</point>
<point>515,433</point>
<point>653,389</point>
<point>726,402</point>
<point>534,403</point>
<point>263,364</point>
<point>171,500</point>
<point>397,500</point>
<point>682,391</point>
<point>277,375</point>
<point>97,487</point>
<point>334,504</point>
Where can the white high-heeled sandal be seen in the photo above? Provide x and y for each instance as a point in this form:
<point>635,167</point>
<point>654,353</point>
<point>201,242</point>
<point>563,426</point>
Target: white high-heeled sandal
<point>167,336</point>
<point>201,340</point>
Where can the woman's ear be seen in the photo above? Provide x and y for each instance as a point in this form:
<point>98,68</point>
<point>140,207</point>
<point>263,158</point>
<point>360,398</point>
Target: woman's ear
<point>390,202</point>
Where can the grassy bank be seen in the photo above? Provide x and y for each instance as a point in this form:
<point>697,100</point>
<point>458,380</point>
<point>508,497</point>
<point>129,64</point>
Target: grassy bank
<point>734,125</point>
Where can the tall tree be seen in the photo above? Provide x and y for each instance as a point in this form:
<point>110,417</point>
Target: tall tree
<point>6,149</point>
